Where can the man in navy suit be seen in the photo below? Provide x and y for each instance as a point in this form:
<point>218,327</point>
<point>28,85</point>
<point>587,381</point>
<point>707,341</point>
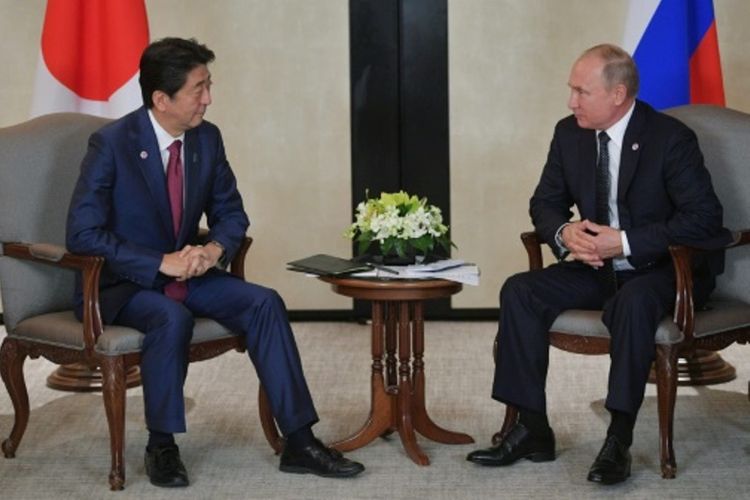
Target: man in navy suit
<point>654,191</point>
<point>145,182</point>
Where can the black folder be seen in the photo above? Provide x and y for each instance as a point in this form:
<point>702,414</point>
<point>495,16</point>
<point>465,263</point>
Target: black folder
<point>327,265</point>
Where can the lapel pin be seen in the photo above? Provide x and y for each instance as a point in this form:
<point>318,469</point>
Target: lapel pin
<point>144,155</point>
<point>636,146</point>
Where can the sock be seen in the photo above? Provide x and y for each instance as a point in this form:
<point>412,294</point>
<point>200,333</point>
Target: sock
<point>621,426</point>
<point>157,438</point>
<point>300,438</point>
<point>534,421</point>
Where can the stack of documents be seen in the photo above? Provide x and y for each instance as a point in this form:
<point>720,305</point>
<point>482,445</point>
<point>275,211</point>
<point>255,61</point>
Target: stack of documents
<point>447,269</point>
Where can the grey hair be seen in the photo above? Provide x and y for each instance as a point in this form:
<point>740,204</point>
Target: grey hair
<point>619,67</point>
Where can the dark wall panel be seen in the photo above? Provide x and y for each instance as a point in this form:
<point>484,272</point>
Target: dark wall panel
<point>424,101</point>
<point>374,67</point>
<point>399,93</point>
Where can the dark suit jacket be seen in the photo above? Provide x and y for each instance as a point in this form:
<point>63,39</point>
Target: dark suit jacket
<point>120,209</point>
<point>664,192</point>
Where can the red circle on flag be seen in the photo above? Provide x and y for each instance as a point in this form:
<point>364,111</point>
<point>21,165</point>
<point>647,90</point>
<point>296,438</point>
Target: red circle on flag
<point>93,46</point>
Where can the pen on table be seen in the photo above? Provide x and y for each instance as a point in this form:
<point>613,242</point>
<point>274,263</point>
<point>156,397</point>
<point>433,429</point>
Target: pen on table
<point>447,268</point>
<point>382,268</point>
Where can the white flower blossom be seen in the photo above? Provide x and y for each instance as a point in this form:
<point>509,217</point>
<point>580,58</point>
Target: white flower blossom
<point>398,217</point>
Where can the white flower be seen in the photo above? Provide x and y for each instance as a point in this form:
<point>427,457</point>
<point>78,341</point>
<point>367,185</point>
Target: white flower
<point>398,217</point>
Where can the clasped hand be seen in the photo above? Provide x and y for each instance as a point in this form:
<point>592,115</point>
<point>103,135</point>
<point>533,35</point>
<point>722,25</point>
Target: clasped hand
<point>190,262</point>
<point>591,243</point>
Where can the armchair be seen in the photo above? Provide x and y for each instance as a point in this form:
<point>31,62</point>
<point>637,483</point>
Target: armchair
<point>723,137</point>
<point>39,162</point>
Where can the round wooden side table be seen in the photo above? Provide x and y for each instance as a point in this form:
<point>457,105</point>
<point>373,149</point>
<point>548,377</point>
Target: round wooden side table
<point>397,383</point>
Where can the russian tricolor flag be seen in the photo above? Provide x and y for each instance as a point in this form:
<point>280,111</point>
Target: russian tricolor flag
<point>676,49</point>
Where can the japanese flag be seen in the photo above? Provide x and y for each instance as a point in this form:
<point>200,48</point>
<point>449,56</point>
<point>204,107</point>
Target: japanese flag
<point>89,57</point>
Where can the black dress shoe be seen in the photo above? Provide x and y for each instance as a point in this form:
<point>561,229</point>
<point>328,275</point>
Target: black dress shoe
<point>320,460</point>
<point>612,465</point>
<point>164,467</point>
<point>518,443</point>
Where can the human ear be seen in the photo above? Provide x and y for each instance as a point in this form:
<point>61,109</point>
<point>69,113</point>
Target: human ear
<point>621,93</point>
<point>159,98</point>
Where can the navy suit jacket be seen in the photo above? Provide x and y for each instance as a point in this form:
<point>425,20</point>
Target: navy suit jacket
<point>120,209</point>
<point>664,192</point>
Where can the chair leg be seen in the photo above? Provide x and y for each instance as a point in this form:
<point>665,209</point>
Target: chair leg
<point>12,357</point>
<point>268,423</point>
<point>113,392</point>
<point>511,417</point>
<point>666,388</point>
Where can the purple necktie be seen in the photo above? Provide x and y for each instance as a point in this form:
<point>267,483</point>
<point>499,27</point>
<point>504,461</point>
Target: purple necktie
<point>176,290</point>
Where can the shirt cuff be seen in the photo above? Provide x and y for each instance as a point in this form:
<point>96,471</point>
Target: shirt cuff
<point>625,245</point>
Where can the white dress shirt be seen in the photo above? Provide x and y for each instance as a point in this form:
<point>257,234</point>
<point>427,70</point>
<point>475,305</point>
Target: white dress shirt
<point>616,135</point>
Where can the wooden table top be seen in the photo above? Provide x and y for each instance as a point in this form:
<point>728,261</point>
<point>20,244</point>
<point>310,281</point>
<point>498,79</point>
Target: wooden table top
<point>392,289</point>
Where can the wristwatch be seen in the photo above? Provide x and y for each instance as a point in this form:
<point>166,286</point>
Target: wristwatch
<point>221,247</point>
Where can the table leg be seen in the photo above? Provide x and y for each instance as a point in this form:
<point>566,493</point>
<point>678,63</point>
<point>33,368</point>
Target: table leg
<point>422,421</point>
<point>381,417</point>
<point>405,403</point>
<point>391,377</point>
<point>390,345</point>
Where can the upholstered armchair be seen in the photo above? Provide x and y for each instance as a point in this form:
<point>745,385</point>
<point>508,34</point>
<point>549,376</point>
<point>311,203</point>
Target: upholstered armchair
<point>39,165</point>
<point>724,137</point>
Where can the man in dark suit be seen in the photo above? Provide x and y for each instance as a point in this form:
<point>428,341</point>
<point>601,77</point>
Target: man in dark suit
<point>652,190</point>
<point>137,205</point>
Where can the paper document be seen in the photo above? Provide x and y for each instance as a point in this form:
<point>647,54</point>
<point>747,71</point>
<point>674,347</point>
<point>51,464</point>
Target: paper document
<point>448,269</point>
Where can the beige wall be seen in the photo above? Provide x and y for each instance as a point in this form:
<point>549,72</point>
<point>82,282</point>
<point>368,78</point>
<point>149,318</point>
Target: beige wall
<point>282,100</point>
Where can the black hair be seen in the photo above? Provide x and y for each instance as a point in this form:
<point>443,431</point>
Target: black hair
<point>166,63</point>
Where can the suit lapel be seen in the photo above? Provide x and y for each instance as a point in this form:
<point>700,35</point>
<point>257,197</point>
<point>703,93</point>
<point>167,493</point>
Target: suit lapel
<point>191,163</point>
<point>587,161</point>
<point>631,150</point>
<point>145,151</point>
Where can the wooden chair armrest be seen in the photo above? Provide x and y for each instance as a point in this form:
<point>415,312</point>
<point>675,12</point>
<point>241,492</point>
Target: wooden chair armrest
<point>533,246</point>
<point>740,238</point>
<point>684,308</point>
<point>237,266</point>
<point>90,267</point>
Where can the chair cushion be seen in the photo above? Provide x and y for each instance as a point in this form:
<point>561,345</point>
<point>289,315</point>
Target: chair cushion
<point>720,316</point>
<point>589,324</point>
<point>64,330</point>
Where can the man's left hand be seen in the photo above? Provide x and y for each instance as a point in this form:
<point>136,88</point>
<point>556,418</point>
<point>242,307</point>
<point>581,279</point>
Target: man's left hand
<point>201,258</point>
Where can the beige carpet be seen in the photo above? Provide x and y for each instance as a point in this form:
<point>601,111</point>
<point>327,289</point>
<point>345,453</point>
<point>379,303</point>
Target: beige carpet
<point>65,452</point>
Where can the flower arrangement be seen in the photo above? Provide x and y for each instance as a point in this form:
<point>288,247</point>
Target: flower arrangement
<point>400,223</point>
